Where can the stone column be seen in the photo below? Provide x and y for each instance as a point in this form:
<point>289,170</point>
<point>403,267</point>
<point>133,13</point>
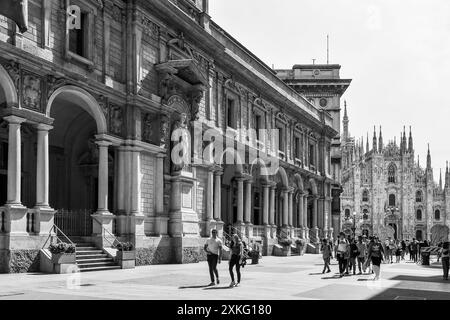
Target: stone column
<point>266,201</point>
<point>290,209</point>
<point>42,168</point>
<point>209,203</point>
<point>285,208</point>
<point>248,209</point>
<point>137,217</point>
<point>14,161</point>
<point>161,220</point>
<point>300,214</point>
<point>272,210</point>
<point>217,193</point>
<point>315,216</point>
<point>240,201</point>
<point>305,216</point>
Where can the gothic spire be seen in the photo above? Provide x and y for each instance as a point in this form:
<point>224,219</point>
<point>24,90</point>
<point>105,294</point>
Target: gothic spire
<point>410,144</point>
<point>380,142</point>
<point>447,176</point>
<point>367,143</point>
<point>440,179</point>
<point>429,158</point>
<point>374,144</point>
<point>345,122</point>
<point>404,139</point>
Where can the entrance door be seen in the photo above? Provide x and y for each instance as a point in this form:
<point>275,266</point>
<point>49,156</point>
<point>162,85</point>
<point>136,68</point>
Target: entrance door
<point>419,235</point>
<point>394,226</point>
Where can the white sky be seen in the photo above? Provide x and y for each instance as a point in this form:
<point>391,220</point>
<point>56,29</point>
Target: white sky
<point>397,52</point>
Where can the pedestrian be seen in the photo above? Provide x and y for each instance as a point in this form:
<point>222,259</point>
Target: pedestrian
<point>326,255</point>
<point>445,259</point>
<point>342,249</point>
<point>376,253</point>
<point>403,246</point>
<point>235,260</point>
<point>347,265</point>
<point>398,252</point>
<point>354,253</point>
<point>362,251</point>
<point>414,249</point>
<point>213,248</point>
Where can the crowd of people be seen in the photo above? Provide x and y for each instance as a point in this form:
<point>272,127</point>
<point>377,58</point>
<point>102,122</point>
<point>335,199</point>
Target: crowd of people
<point>362,254</point>
<point>367,254</point>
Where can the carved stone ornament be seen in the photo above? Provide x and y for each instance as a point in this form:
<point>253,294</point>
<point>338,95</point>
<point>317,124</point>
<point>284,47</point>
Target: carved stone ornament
<point>31,92</point>
<point>117,13</point>
<point>164,131</point>
<point>147,127</point>
<point>185,153</point>
<point>103,103</point>
<point>116,119</point>
<point>196,96</point>
<point>150,28</point>
<point>53,83</point>
<point>13,69</point>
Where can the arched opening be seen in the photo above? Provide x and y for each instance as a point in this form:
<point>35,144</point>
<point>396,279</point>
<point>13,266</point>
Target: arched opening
<point>437,214</point>
<point>392,200</point>
<point>365,196</point>
<point>419,235</point>
<point>419,196</point>
<point>392,170</point>
<point>394,227</point>
<point>74,160</point>
<point>347,213</point>
<point>419,214</point>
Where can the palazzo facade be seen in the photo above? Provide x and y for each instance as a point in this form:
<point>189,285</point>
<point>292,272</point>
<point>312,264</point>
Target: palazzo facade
<point>90,122</point>
<point>387,193</point>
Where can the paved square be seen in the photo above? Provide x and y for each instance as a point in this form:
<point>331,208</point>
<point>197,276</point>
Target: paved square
<point>274,278</point>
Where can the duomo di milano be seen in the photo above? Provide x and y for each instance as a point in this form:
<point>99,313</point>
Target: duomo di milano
<point>90,117</point>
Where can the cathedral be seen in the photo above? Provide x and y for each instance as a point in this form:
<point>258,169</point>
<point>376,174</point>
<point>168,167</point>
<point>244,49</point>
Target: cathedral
<point>388,194</point>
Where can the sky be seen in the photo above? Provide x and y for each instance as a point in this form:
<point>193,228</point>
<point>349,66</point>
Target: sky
<point>397,52</point>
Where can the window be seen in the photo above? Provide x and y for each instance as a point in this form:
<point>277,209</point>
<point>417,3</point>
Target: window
<point>311,155</point>
<point>257,126</point>
<point>419,196</point>
<point>437,215</point>
<point>297,147</point>
<point>392,200</point>
<point>347,213</point>
<point>391,173</point>
<point>280,139</point>
<point>231,119</point>
<point>365,214</point>
<point>365,196</point>
<point>419,214</point>
<point>77,37</point>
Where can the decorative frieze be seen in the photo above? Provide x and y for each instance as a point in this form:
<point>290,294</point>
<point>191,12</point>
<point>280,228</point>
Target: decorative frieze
<point>116,119</point>
<point>31,91</point>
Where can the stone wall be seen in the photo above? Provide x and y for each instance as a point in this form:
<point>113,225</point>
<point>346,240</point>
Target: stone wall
<point>19,261</point>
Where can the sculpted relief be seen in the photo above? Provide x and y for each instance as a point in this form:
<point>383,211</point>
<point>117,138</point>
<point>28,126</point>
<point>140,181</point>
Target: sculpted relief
<point>31,92</point>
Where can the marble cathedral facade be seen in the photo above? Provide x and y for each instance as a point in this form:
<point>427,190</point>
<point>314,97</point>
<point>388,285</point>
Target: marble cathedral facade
<point>387,193</point>
<point>87,134</point>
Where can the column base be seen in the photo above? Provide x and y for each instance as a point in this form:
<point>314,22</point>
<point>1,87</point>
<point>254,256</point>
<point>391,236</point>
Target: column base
<point>44,219</point>
<point>249,230</point>
<point>102,219</point>
<point>16,218</point>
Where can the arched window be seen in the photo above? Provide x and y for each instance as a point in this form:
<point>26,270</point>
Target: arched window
<point>391,173</point>
<point>347,213</point>
<point>419,214</point>
<point>419,196</point>
<point>365,196</point>
<point>437,214</point>
<point>365,214</point>
<point>392,200</point>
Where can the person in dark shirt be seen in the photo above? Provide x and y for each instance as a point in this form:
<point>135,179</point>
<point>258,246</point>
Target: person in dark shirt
<point>376,255</point>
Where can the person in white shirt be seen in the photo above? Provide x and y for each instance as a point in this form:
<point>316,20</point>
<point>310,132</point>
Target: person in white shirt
<point>342,252</point>
<point>213,248</point>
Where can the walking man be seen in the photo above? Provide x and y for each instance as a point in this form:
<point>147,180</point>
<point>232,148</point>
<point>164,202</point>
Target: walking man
<point>445,259</point>
<point>342,252</point>
<point>362,250</point>
<point>213,248</point>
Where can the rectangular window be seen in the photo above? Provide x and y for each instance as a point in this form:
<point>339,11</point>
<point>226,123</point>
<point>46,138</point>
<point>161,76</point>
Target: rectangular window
<point>311,155</point>
<point>230,114</point>
<point>257,126</point>
<point>77,37</point>
<point>297,147</point>
<point>281,139</point>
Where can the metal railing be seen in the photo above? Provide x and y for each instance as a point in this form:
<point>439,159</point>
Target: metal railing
<point>281,234</point>
<point>115,242</point>
<point>74,222</point>
<point>226,238</point>
<point>239,233</point>
<point>312,235</point>
<point>258,231</point>
<point>53,234</point>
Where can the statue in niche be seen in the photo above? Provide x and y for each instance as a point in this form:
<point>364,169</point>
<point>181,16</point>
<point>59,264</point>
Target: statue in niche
<point>116,119</point>
<point>147,128</point>
<point>181,152</point>
<point>196,98</point>
<point>31,91</point>
<point>164,131</point>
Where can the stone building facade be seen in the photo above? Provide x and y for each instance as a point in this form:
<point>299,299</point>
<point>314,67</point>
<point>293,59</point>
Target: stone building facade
<point>90,122</point>
<point>387,193</point>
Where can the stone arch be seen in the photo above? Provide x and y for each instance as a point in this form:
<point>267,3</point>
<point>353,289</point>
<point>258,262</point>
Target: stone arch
<point>313,184</point>
<point>8,88</point>
<point>284,179</point>
<point>86,101</point>
<point>259,164</point>
<point>299,182</point>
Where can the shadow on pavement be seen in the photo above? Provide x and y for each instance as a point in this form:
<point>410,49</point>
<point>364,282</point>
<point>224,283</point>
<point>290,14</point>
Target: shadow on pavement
<point>331,277</point>
<point>421,279</point>
<point>194,287</point>
<point>315,274</point>
<point>218,288</point>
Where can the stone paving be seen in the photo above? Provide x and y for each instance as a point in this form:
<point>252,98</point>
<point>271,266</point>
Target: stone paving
<point>274,278</point>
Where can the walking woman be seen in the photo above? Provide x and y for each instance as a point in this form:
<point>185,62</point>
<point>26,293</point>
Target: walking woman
<point>235,260</point>
<point>342,253</point>
<point>445,259</point>
<point>376,253</point>
<point>326,255</point>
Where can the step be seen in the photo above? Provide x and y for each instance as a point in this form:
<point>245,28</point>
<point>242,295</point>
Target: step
<point>93,260</point>
<point>89,252</point>
<point>86,248</point>
<point>84,244</point>
<point>92,256</point>
<point>99,268</point>
<point>96,264</point>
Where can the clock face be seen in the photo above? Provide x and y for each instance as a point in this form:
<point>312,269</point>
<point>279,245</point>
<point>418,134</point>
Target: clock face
<point>323,102</point>
<point>316,72</point>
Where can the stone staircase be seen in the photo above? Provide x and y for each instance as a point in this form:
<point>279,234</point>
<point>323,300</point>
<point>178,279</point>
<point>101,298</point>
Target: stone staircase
<point>91,258</point>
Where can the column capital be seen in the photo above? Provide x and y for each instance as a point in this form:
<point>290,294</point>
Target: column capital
<point>14,119</point>
<point>103,143</point>
<point>43,127</point>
